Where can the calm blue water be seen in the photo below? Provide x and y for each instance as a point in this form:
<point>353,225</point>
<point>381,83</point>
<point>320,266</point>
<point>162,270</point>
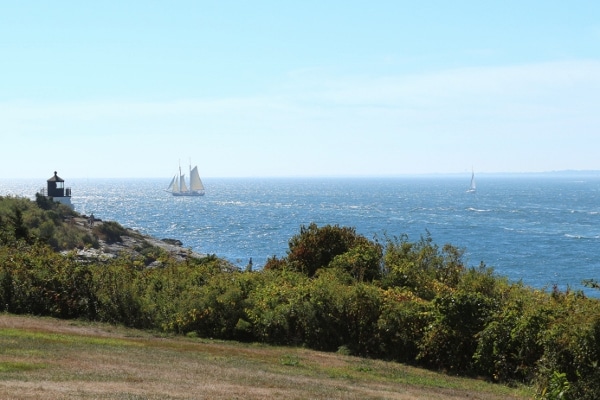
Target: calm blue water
<point>541,229</point>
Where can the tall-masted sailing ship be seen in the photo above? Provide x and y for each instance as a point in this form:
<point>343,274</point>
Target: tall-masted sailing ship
<point>178,186</point>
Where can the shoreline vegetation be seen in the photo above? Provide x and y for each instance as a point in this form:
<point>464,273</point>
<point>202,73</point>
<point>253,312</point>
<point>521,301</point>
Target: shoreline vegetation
<point>393,303</point>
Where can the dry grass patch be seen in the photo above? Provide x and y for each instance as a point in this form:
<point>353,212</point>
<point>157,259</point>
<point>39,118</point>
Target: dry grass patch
<point>48,358</point>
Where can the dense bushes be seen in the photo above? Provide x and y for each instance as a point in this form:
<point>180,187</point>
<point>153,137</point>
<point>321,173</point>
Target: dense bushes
<point>316,248</point>
<point>36,280</point>
<point>42,221</point>
<point>335,290</point>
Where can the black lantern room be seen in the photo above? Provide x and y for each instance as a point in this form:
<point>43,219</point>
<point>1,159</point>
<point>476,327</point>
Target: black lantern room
<point>56,190</point>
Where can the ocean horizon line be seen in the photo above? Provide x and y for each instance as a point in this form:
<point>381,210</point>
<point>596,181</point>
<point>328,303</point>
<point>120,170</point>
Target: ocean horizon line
<point>566,172</point>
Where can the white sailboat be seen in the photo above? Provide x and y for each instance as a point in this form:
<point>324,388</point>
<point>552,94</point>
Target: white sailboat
<point>473,186</point>
<point>178,187</point>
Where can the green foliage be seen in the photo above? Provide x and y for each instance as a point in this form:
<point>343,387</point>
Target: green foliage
<point>572,344</point>
<point>279,308</point>
<point>450,340</point>
<point>118,286</point>
<point>36,280</point>
<point>421,267</point>
<point>275,263</point>
<point>216,308</point>
<point>151,253</point>
<point>315,248</point>
<point>42,221</point>
<point>325,304</point>
<point>362,310</point>
<point>362,261</point>
<point>110,232</point>
<point>512,342</point>
<point>482,280</point>
<point>591,283</point>
<point>46,204</point>
<point>12,217</point>
<point>557,389</point>
<point>290,360</point>
<point>402,324</point>
<point>323,313</point>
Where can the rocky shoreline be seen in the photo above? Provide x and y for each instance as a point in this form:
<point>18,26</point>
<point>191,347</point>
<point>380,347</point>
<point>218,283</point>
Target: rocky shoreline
<point>131,243</point>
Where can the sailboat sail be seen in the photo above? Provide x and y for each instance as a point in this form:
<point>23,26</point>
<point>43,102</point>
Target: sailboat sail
<point>195,181</point>
<point>173,185</point>
<point>182,186</point>
<point>178,186</point>
<point>473,186</point>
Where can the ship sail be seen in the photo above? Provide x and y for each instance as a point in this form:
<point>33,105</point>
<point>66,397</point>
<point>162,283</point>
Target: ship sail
<point>178,185</point>
<point>195,181</point>
<point>182,186</point>
<point>473,186</point>
<point>173,186</point>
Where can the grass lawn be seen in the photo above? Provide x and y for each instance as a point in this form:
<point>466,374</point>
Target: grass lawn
<point>55,359</point>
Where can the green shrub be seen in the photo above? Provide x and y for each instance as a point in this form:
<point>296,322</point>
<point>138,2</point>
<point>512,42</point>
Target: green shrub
<point>324,325</point>
<point>362,261</point>
<point>119,286</point>
<point>278,308</point>
<point>42,221</point>
<point>361,316</point>
<point>217,308</point>
<point>421,267</point>
<point>511,344</point>
<point>314,248</point>
<point>557,389</point>
<point>36,280</point>
<point>402,324</point>
<point>109,231</point>
<point>572,345</point>
<point>451,340</point>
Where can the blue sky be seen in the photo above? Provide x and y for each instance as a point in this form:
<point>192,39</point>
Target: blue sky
<point>303,88</point>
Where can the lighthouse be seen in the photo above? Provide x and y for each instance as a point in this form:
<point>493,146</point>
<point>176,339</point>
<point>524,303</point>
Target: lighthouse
<point>56,190</point>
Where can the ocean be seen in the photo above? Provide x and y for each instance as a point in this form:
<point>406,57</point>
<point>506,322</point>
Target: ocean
<point>541,229</point>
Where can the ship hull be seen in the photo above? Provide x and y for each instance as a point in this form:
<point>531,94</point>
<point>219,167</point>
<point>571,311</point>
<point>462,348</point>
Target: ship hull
<point>187,194</point>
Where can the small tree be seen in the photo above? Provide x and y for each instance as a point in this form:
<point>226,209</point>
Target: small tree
<point>316,248</point>
<point>421,266</point>
<point>362,261</point>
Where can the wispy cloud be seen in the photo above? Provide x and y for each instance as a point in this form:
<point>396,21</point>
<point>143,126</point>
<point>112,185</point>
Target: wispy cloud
<point>560,83</point>
<point>390,121</point>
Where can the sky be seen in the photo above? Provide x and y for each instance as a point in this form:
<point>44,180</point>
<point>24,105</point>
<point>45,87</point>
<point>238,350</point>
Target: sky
<point>124,89</point>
